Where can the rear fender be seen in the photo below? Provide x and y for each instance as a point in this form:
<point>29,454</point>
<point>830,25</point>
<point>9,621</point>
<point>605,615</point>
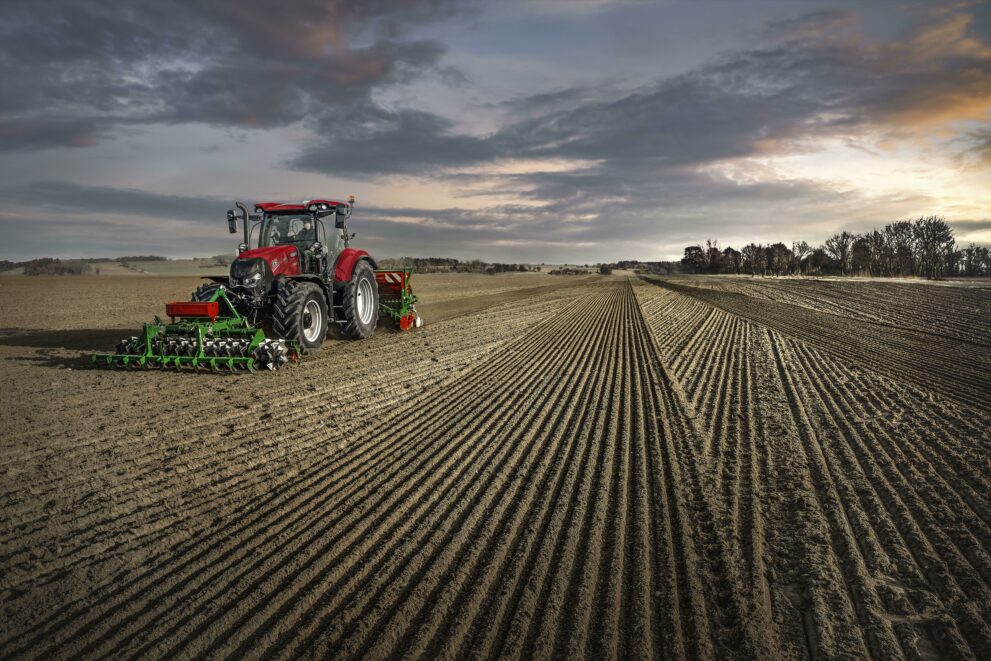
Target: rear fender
<point>346,262</point>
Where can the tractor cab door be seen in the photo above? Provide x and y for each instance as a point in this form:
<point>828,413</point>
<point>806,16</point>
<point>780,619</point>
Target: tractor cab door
<point>320,261</point>
<point>332,240</point>
<point>322,235</point>
<point>336,244</point>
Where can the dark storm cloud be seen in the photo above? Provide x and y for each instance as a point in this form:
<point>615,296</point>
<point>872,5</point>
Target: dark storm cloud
<point>401,141</point>
<point>60,197</point>
<point>814,78</point>
<point>39,133</point>
<point>82,67</point>
<point>647,162</point>
<point>535,105</point>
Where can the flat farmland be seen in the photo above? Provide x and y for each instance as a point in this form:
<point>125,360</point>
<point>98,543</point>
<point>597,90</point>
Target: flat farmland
<point>551,467</point>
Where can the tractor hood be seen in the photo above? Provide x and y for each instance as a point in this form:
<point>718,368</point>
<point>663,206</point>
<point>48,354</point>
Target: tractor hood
<point>281,260</point>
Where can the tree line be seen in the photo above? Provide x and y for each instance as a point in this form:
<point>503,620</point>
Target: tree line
<point>50,266</point>
<point>448,265</point>
<point>924,247</point>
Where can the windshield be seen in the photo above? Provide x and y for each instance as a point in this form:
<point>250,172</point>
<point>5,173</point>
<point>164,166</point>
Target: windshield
<point>289,229</point>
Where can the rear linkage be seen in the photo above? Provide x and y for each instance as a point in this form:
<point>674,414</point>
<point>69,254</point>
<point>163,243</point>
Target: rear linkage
<point>209,334</point>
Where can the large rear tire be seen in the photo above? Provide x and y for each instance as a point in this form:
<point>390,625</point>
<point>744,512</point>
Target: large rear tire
<point>301,314</point>
<point>359,299</point>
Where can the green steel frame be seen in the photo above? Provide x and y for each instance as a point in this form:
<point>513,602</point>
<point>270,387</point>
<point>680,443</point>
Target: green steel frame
<point>229,324</point>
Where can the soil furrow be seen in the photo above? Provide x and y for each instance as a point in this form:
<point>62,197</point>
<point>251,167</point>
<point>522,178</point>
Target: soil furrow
<point>717,467</point>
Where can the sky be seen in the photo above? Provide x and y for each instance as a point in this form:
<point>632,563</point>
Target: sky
<point>576,131</point>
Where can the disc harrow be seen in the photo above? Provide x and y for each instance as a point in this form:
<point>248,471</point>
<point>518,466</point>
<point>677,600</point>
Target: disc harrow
<point>200,337</point>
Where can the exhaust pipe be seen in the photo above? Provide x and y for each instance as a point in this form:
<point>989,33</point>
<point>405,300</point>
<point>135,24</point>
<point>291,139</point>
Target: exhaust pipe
<point>244,215</point>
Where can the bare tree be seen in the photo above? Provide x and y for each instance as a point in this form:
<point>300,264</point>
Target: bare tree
<point>694,259</point>
<point>760,259</point>
<point>933,245</point>
<point>860,254</point>
<point>976,260</point>
<point>838,247</point>
<point>900,243</point>
<point>732,259</point>
<point>879,254</point>
<point>714,257</point>
<point>800,249</point>
<point>817,260</point>
<point>751,257</point>
<point>778,258</point>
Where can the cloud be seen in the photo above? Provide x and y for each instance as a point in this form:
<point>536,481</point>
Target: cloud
<point>40,133</point>
<point>978,146</point>
<point>590,215</point>
<point>400,142</point>
<point>575,7</point>
<point>813,80</point>
<point>60,197</point>
<point>83,67</point>
<point>638,170</point>
<point>967,226</point>
<point>812,27</point>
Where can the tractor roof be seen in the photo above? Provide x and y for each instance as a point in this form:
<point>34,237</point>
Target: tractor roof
<point>279,207</point>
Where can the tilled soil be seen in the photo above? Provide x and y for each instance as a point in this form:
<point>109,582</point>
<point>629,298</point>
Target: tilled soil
<point>586,468</point>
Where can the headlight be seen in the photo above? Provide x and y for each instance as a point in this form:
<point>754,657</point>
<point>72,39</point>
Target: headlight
<point>252,279</point>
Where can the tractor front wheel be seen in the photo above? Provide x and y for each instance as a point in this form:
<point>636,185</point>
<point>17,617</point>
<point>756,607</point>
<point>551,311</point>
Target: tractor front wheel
<point>300,314</point>
<point>205,292</point>
<point>359,299</point>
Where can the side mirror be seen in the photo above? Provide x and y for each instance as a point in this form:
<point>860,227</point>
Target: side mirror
<point>339,220</point>
<point>231,221</point>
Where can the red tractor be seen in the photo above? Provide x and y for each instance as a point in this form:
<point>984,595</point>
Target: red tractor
<point>295,274</point>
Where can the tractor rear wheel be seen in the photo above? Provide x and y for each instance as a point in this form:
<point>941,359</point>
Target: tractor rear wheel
<point>205,292</point>
<point>359,299</point>
<point>300,314</point>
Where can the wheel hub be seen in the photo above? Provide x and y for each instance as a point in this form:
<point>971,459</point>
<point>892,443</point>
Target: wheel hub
<point>312,321</point>
<point>365,301</point>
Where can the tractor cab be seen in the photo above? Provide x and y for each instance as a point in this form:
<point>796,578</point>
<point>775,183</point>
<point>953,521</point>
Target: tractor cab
<point>315,230</point>
<point>286,240</point>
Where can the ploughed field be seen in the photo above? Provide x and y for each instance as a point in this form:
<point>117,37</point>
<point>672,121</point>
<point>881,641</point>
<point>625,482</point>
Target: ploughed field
<point>596,467</point>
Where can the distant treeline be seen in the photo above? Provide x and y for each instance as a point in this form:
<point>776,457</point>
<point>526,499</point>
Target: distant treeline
<point>50,266</point>
<point>448,265</point>
<point>139,258</point>
<point>924,247</point>
<point>655,268</point>
<point>55,266</point>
